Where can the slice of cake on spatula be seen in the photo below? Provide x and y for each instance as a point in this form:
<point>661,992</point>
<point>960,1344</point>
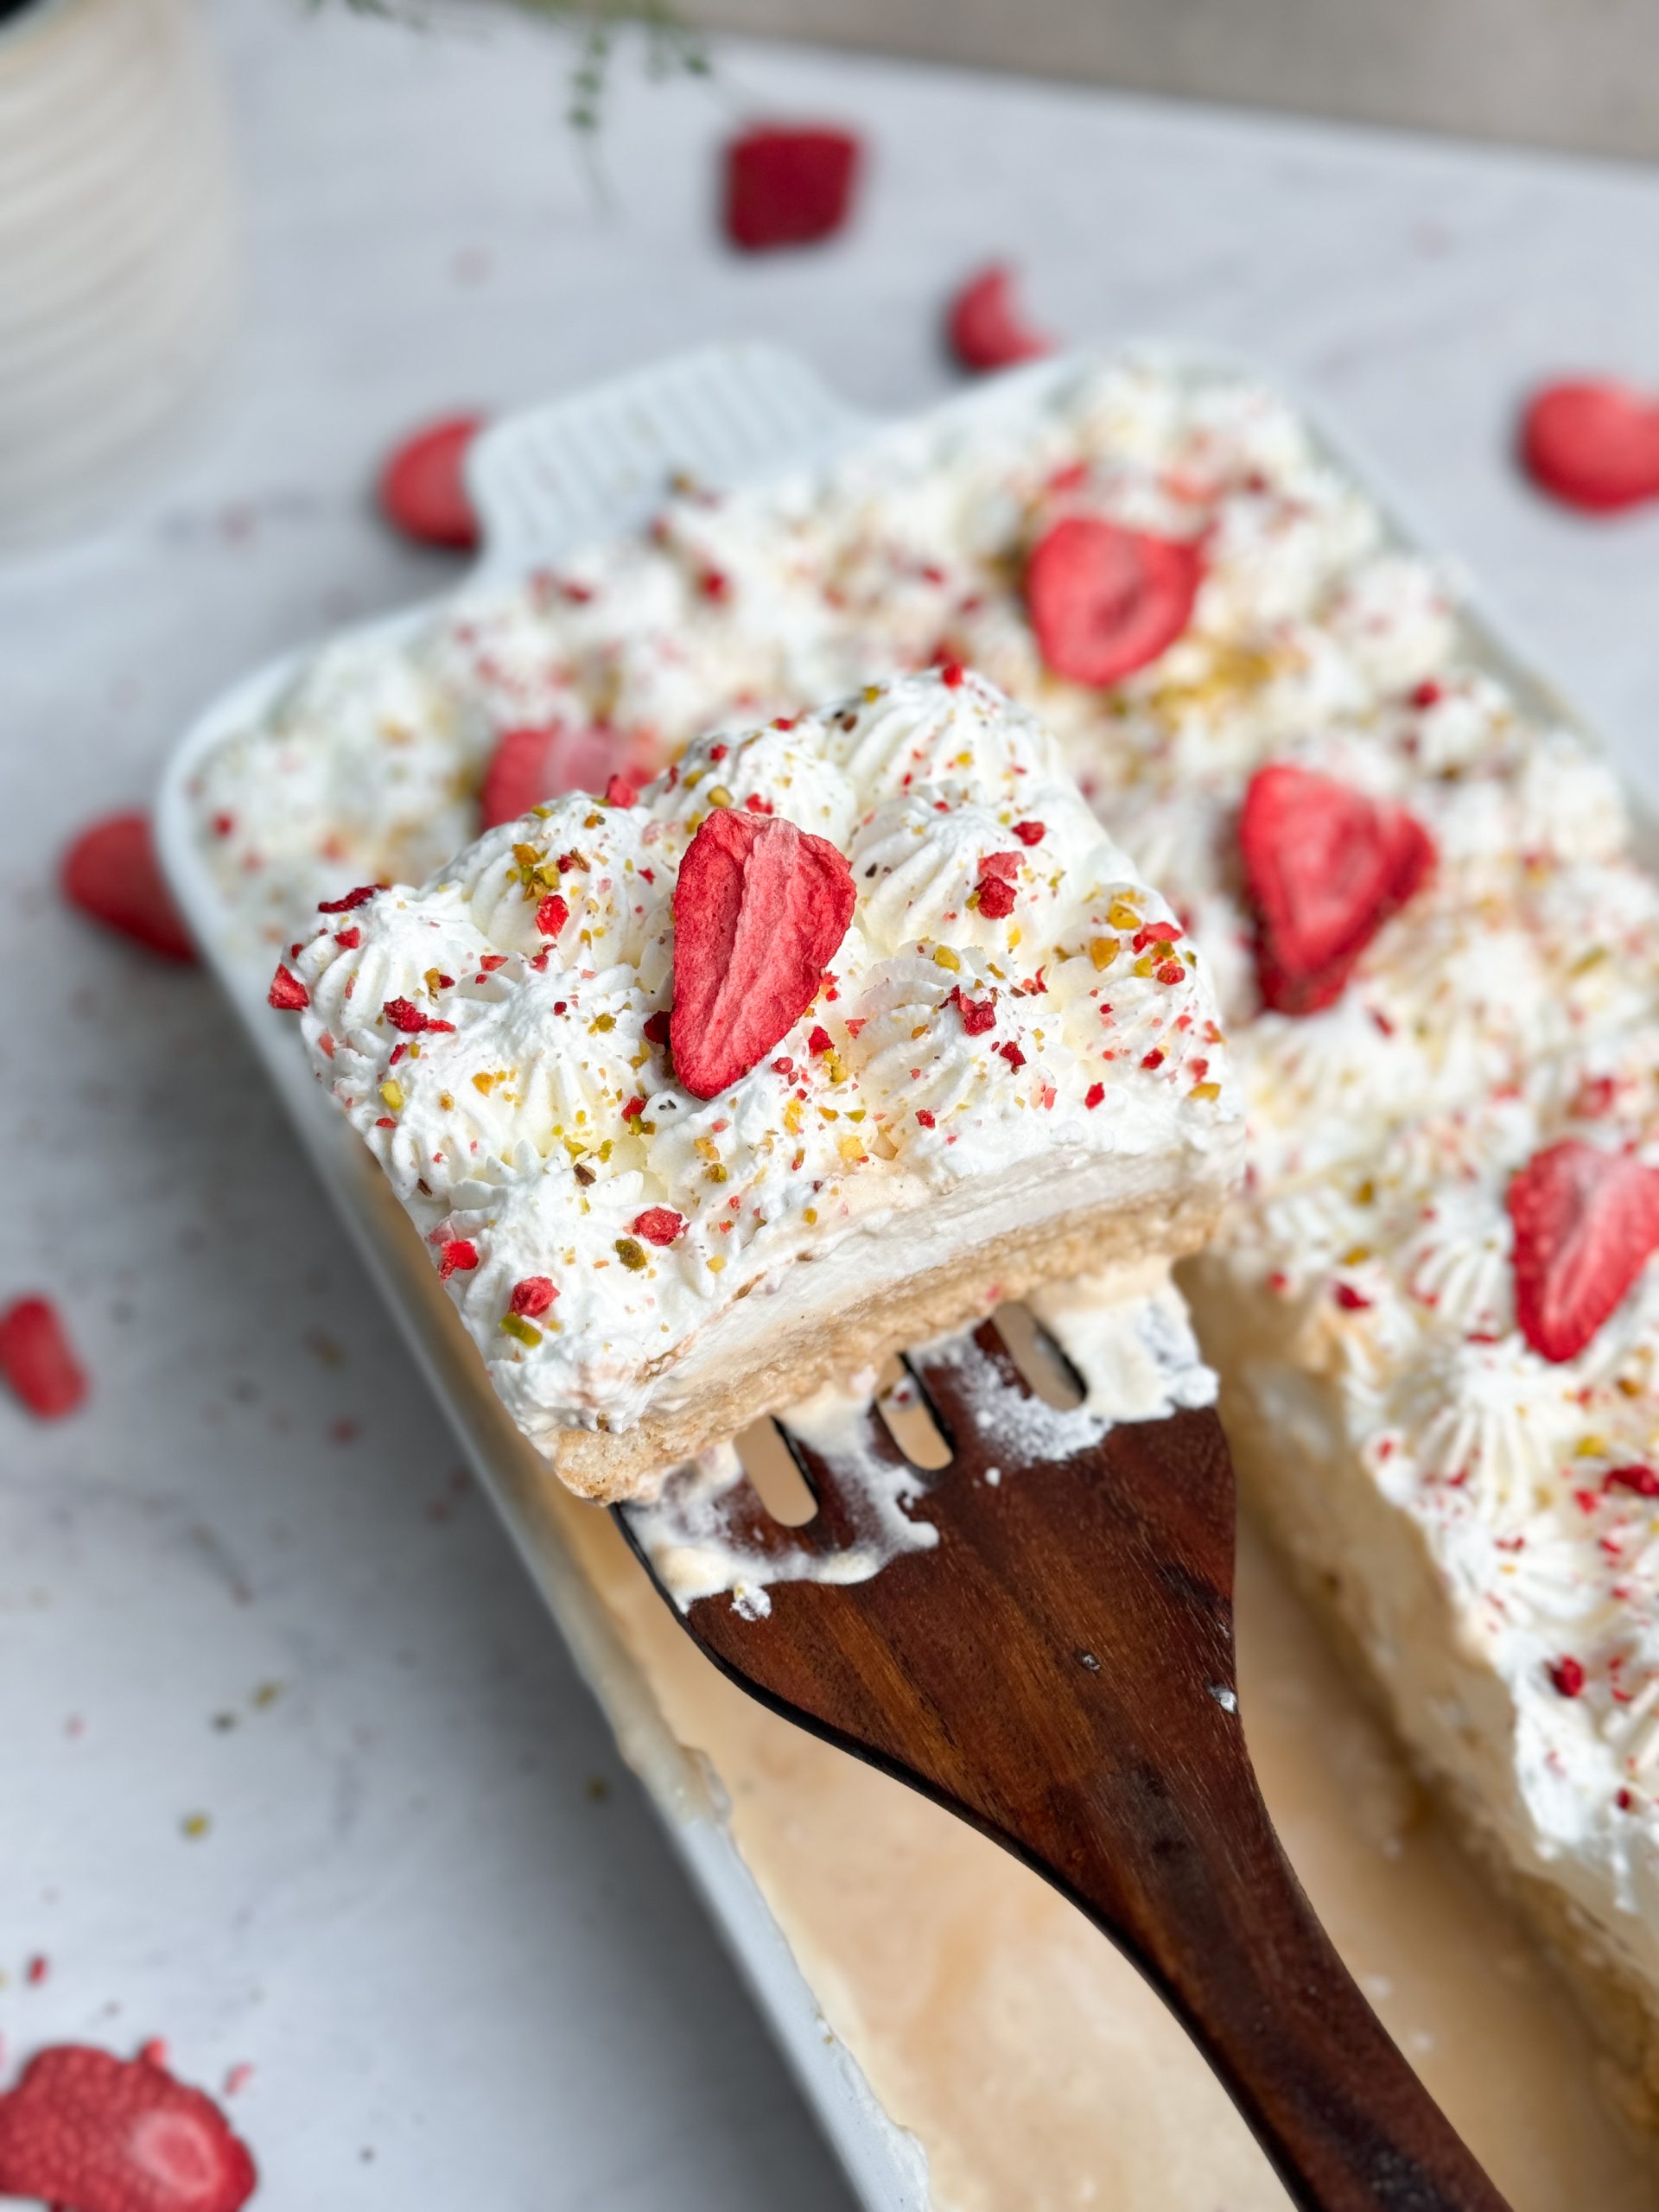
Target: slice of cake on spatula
<point>838,1033</point>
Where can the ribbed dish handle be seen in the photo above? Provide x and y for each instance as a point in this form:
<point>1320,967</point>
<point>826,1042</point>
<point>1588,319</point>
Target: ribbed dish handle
<point>597,466</point>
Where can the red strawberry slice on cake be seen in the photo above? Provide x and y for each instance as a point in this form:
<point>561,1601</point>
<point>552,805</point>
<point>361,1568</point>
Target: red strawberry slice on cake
<point>1104,601</point>
<point>1585,1224</point>
<point>1326,867</point>
<point>759,911</point>
<point>530,766</point>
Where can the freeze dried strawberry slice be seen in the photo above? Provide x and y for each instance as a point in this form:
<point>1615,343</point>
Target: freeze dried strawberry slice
<point>1325,866</point>
<point>111,872</point>
<point>422,489</point>
<point>529,767</point>
<point>38,1360</point>
<point>759,911</point>
<point>1585,1222</point>
<point>984,327</point>
<point>90,2132</point>
<point>1595,445</point>
<point>788,185</point>
<point>1104,601</point>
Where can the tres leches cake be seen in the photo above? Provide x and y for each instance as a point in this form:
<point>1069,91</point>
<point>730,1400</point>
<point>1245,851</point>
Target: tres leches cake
<point>1436,959</point>
<point>838,1033</point>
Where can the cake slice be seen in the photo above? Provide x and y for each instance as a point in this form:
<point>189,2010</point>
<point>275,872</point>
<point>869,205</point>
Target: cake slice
<point>841,1031</point>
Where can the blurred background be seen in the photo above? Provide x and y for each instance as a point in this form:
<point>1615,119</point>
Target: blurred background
<point>1548,73</point>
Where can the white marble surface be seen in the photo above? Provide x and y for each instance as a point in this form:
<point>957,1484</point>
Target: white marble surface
<point>462,1975</point>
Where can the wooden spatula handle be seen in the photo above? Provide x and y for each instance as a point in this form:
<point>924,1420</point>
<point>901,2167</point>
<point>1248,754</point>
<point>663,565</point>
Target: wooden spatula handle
<point>1215,1915</point>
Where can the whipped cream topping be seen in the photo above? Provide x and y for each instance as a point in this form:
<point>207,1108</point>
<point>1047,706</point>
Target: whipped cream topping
<point>497,1037</point>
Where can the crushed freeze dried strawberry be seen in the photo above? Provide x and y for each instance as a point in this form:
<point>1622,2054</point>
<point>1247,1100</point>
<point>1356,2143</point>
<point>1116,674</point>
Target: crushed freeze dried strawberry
<point>633,1109</point>
<point>422,486</point>
<point>532,1296</point>
<point>1350,1299</point>
<point>1567,1676</point>
<point>1641,1482</point>
<point>111,872</point>
<point>659,1224</point>
<point>552,914</point>
<point>1594,444</point>
<point>531,766</point>
<point>993,887</point>
<point>1325,866</point>
<point>1092,1096</point>
<point>1011,1053</point>
<point>950,674</point>
<point>620,791</point>
<point>818,1040</point>
<point>353,900</point>
<point>348,940</point>
<point>1031,833</point>
<point>977,1015</point>
<point>1155,933</point>
<point>984,325</point>
<point>90,2132</point>
<point>1104,601</point>
<point>1586,1223</point>
<point>788,185</point>
<point>38,1360</point>
<point>287,993</point>
<point>1154,1058</point>
<point>405,1014</point>
<point>459,1256</point>
<point>760,909</point>
<point>925,1117</point>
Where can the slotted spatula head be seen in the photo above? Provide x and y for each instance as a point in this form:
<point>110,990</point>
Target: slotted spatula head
<point>1057,1669</point>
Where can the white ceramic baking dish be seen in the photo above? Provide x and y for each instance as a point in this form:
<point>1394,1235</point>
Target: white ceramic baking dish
<point>580,471</point>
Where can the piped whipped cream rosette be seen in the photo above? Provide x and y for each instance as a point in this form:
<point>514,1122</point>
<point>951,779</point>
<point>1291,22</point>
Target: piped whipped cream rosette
<point>846,1029</point>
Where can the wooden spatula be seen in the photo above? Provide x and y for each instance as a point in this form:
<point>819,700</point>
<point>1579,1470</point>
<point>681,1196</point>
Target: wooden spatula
<point>1059,1670</point>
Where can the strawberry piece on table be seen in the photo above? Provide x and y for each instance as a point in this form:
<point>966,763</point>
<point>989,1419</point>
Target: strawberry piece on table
<point>787,185</point>
<point>530,766</point>
<point>984,325</point>
<point>90,2132</point>
<point>424,489</point>
<point>1586,1223</point>
<point>760,909</point>
<point>1594,444</point>
<point>1104,601</point>
<point>38,1361</point>
<point>1326,867</point>
<point>111,872</point>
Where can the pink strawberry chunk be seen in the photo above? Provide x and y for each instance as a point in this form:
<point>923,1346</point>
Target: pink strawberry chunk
<point>89,2132</point>
<point>111,872</point>
<point>788,184</point>
<point>422,486</point>
<point>1594,444</point>
<point>985,327</point>
<point>38,1360</point>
